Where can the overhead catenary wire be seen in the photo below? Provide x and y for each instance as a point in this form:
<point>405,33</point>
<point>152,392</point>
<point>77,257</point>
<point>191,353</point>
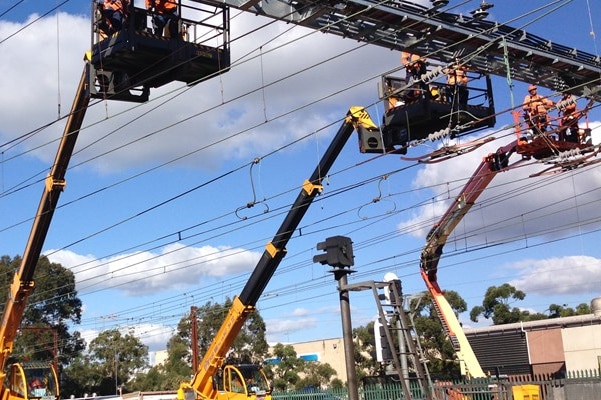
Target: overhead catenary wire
<point>202,113</point>
<point>9,9</point>
<point>234,65</point>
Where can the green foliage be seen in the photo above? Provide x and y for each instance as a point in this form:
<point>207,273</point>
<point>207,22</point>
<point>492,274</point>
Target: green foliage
<point>315,375</point>
<point>294,373</point>
<point>337,383</point>
<point>177,367</point>
<point>116,355</point>
<point>365,351</point>
<point>111,364</point>
<point>249,346</point>
<point>80,378</point>
<point>157,378</point>
<point>51,309</point>
<point>437,348</point>
<point>284,375</point>
<point>496,305</point>
<point>179,358</point>
<point>560,311</point>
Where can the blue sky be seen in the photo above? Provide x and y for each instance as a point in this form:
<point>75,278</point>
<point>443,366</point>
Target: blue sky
<point>154,220</point>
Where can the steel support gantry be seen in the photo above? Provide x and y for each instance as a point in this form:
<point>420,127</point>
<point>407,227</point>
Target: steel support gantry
<point>484,46</point>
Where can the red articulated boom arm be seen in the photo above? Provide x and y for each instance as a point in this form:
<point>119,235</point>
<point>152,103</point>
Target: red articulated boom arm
<point>437,238</point>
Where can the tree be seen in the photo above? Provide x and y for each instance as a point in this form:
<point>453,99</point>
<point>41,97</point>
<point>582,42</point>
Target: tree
<point>496,305</point>
<point>284,374</point>
<point>80,379</point>
<point>51,308</point>
<point>560,311</point>
<point>315,375</point>
<point>437,348</point>
<point>365,351</point>
<point>170,375</point>
<point>250,345</point>
<point>115,358</point>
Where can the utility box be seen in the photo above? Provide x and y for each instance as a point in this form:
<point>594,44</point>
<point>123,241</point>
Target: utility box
<point>526,392</point>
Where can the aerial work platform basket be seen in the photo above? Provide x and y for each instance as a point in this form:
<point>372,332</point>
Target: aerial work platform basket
<point>129,61</point>
<point>417,112</point>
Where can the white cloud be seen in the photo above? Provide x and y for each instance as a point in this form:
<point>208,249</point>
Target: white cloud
<point>558,275</point>
<point>280,327</point>
<point>152,335</point>
<point>301,312</point>
<point>32,72</point>
<point>144,273</point>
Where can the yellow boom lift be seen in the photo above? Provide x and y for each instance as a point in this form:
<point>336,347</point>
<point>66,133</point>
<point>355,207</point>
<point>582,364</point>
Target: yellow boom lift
<point>123,66</point>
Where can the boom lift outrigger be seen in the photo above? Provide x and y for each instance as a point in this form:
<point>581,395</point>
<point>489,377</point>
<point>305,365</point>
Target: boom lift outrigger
<point>121,67</point>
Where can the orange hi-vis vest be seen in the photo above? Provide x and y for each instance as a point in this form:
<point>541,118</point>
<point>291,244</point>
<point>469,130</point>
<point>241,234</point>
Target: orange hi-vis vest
<point>457,75</point>
<point>536,104</point>
<point>162,6</point>
<point>117,5</point>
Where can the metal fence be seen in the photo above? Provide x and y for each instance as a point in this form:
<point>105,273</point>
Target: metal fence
<point>578,385</point>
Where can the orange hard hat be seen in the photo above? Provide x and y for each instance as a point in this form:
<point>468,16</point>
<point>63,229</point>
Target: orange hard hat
<point>415,58</point>
<point>531,87</point>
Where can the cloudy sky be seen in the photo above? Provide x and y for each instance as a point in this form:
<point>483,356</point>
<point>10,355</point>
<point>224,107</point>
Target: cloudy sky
<point>154,218</point>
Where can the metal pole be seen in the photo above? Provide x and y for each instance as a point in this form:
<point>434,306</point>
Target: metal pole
<point>347,335</point>
<point>402,349</point>
<point>193,310</point>
<point>339,255</point>
<point>116,376</point>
